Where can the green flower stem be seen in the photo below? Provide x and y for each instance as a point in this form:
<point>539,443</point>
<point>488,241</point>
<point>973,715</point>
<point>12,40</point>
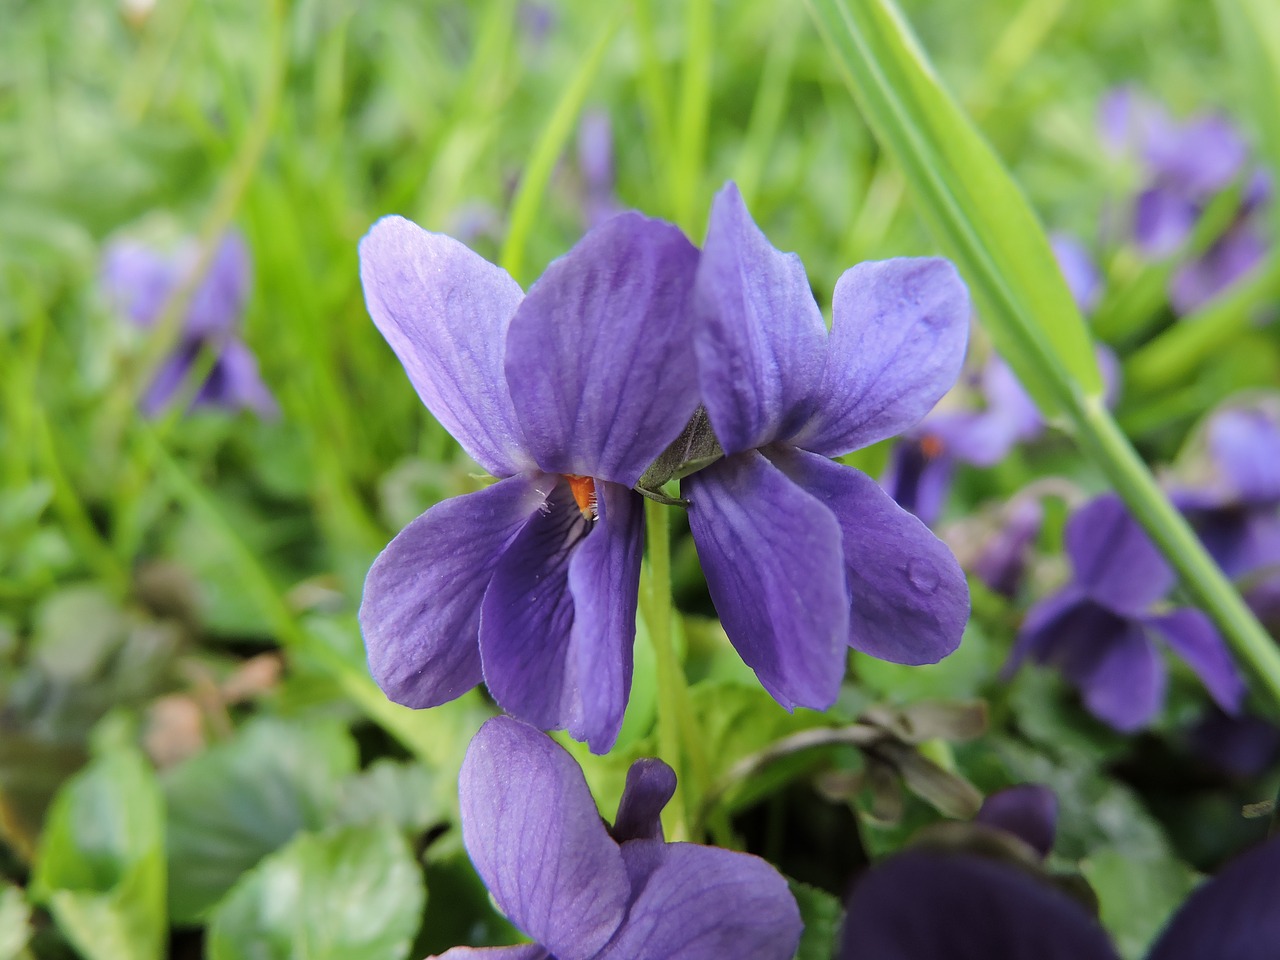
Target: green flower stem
<point>679,740</point>
<point>1107,446</point>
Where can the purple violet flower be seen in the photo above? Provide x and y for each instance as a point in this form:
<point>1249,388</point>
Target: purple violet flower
<point>585,891</point>
<point>1099,630</point>
<point>1002,561</point>
<point>566,394</point>
<point>1028,811</point>
<point>929,905</point>
<point>139,281</point>
<point>1187,164</point>
<point>805,557</point>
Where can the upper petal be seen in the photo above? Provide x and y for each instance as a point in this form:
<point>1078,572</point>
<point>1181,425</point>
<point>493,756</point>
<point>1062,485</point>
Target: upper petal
<point>1029,811</point>
<point>1078,269</point>
<point>1163,219</point>
<point>536,839</point>
<point>599,354</point>
<point>1121,677</point>
<point>910,601</point>
<point>527,614</point>
<point>650,786</point>
<point>1230,917</point>
<point>137,279</point>
<point>1196,641</point>
<point>759,335</point>
<point>702,903</point>
<point>421,609</point>
<point>445,311</point>
<point>1114,560</point>
<point>936,906</point>
<point>217,304</point>
<point>774,567</point>
<point>1245,445</point>
<point>604,580</point>
<point>897,343</point>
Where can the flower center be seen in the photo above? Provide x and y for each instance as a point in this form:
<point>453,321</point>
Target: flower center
<point>931,445</point>
<point>584,494</point>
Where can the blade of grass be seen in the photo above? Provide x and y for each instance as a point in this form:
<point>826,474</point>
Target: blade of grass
<point>980,217</point>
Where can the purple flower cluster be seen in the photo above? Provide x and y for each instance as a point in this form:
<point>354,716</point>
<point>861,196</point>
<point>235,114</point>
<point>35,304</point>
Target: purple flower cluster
<point>571,392</point>
<point>586,891</point>
<point>1186,165</point>
<point>1100,629</point>
<point>140,281</point>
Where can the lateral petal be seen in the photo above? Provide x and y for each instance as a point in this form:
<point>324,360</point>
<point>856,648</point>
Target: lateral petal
<point>1196,641</point>
<point>445,311</point>
<point>773,562</point>
<point>421,609</point>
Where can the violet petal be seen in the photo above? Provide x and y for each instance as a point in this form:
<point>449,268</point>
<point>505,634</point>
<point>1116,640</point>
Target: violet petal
<point>759,334</point>
<point>217,304</point>
<point>1196,641</point>
<point>910,601</point>
<point>650,786</point>
<point>774,566</point>
<point>704,903</point>
<point>526,619</point>
<point>137,280</point>
<point>234,383</point>
<point>1163,219</point>
<point>918,481</point>
<point>527,951</point>
<point>536,839</point>
<point>604,581</point>
<point>896,346</point>
<point>922,905</point>
<point>1201,280</point>
<point>1114,560</point>
<point>599,354</point>
<point>1245,446</point>
<point>445,311</point>
<point>1029,811</point>
<point>421,609</point>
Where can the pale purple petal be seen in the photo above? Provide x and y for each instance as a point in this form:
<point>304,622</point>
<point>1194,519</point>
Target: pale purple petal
<point>1196,641</point>
<point>910,601</point>
<point>1003,559</point>
<point>1114,560</point>
<point>702,903</point>
<point>1201,156</point>
<point>1078,269</point>
<point>537,841</point>
<point>1233,916</point>
<point>421,609</point>
<point>918,478</point>
<point>1163,219</point>
<point>599,355</point>
<point>650,786</point>
<point>1029,811</point>
<point>759,335</point>
<point>526,619</point>
<point>1009,401</point>
<point>137,280</point>
<point>217,304</point>
<point>169,379</point>
<point>897,344</point>
<point>234,383</point>
<point>774,567</point>
<point>930,905</point>
<point>528,951</point>
<point>1245,445</point>
<point>445,311</point>
<point>604,581</point>
<point>1128,120</point>
<point>1231,258</point>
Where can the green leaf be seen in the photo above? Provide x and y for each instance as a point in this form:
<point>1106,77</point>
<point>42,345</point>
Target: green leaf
<point>968,199</point>
<point>15,930</point>
<point>101,868</point>
<point>243,799</point>
<point>403,793</point>
<point>822,914</point>
<point>350,894</point>
<point>1136,896</point>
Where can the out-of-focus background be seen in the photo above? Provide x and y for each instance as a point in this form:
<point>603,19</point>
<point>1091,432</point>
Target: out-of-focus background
<point>181,561</point>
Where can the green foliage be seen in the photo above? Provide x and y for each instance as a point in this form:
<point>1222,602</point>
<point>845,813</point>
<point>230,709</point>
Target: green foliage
<point>101,865</point>
<point>822,915</point>
<point>349,894</point>
<point>15,931</point>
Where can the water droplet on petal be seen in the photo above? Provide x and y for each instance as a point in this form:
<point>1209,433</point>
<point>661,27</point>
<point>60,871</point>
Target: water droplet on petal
<point>923,575</point>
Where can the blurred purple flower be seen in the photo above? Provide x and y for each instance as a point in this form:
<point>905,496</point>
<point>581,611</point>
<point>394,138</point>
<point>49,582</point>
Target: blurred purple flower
<point>139,281</point>
<point>1239,747</point>
<point>805,557</point>
<point>567,394</point>
<point>1029,811</point>
<point>926,905</point>
<point>584,891</point>
<point>1186,165</point>
<point>1002,561</point>
<point>595,161</point>
<point>1100,629</point>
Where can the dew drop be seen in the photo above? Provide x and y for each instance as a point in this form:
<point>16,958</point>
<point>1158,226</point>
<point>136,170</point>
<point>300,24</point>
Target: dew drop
<point>923,576</point>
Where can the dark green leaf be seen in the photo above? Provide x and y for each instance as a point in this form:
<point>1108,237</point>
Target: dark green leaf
<point>821,913</point>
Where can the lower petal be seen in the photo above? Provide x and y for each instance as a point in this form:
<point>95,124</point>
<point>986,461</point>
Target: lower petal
<point>772,559</point>
<point>910,601</point>
<point>1121,678</point>
<point>421,608</point>
<point>604,581</point>
<point>526,618</point>
<point>1193,637</point>
<point>703,903</point>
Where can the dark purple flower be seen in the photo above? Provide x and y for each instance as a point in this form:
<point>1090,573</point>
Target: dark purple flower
<point>567,394</point>
<point>925,905</point>
<point>1100,629</point>
<point>805,557</point>
<point>1186,165</point>
<point>1239,747</point>
<point>1029,811</point>
<point>140,281</point>
<point>584,891</point>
